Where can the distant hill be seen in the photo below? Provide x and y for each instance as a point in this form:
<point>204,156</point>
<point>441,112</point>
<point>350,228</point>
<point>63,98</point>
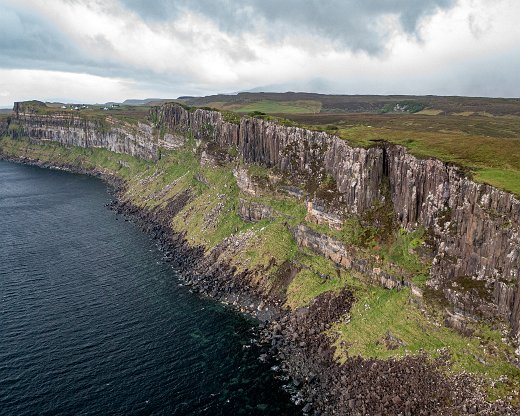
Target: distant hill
<point>311,103</point>
<point>148,101</point>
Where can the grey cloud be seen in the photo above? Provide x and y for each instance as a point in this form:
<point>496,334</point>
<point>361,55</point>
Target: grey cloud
<point>33,42</point>
<point>29,41</point>
<point>494,76</point>
<point>24,36</point>
<point>479,25</point>
<point>350,24</point>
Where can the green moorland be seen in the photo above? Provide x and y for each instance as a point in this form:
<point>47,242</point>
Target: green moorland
<point>126,113</point>
<point>271,107</point>
<point>211,217</point>
<point>482,135</point>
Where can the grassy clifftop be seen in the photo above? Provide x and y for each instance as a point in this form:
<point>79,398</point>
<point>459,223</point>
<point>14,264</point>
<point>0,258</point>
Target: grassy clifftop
<point>482,135</point>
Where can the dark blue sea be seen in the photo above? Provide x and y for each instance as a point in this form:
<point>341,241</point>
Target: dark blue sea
<point>93,322</point>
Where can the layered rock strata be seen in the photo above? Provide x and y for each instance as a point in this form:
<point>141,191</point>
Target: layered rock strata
<point>251,211</point>
<point>72,129</point>
<point>337,252</point>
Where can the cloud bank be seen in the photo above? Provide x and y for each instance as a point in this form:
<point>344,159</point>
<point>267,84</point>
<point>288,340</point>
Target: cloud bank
<point>138,48</point>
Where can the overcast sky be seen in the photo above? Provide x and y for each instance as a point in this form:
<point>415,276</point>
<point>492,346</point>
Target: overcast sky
<point>111,50</point>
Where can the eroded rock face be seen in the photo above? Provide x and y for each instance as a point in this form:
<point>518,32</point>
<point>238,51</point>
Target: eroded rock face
<point>324,245</point>
<point>245,182</point>
<point>251,211</point>
<point>299,153</point>
<point>4,124</point>
<point>317,214</point>
<point>346,257</point>
<point>172,141</point>
<point>72,130</point>
<point>477,229</point>
<point>476,226</point>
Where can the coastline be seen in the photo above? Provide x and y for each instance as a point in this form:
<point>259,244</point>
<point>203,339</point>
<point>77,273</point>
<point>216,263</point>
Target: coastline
<point>358,386</point>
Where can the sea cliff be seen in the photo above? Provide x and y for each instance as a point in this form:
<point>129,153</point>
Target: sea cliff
<point>297,226</point>
<point>475,226</point>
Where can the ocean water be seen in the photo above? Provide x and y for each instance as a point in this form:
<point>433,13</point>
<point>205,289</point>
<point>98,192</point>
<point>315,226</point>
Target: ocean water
<point>92,322</point>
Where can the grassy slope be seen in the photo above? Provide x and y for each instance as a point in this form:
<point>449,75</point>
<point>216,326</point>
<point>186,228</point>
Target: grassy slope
<point>267,106</point>
<point>273,107</point>
<point>125,113</point>
<point>378,312</point>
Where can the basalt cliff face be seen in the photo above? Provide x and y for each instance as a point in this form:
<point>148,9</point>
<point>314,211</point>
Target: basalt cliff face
<point>475,227</point>
<point>70,129</point>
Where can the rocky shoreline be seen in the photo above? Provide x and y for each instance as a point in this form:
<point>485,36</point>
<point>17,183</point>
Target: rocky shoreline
<point>300,340</point>
<point>414,385</point>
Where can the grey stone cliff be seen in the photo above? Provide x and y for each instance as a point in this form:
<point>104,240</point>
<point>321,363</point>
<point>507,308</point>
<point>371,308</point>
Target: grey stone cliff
<point>475,226</point>
<point>70,129</point>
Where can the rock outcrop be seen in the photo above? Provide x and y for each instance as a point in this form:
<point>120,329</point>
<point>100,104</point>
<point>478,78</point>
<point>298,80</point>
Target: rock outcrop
<point>317,214</point>
<point>72,129</point>
<point>251,211</point>
<point>4,125</point>
<point>349,259</point>
<point>476,227</point>
<point>244,181</point>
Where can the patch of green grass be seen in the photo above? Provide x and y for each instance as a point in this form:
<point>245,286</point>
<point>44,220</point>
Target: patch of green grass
<point>353,233</point>
<point>279,107</point>
<point>171,175</point>
<point>211,215</point>
<point>258,171</point>
<point>274,241</point>
<point>289,209</point>
<point>316,276</point>
<point>231,117</point>
<point>294,210</point>
<point>500,178</point>
<point>402,253</point>
<point>307,285</point>
<point>356,234</point>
